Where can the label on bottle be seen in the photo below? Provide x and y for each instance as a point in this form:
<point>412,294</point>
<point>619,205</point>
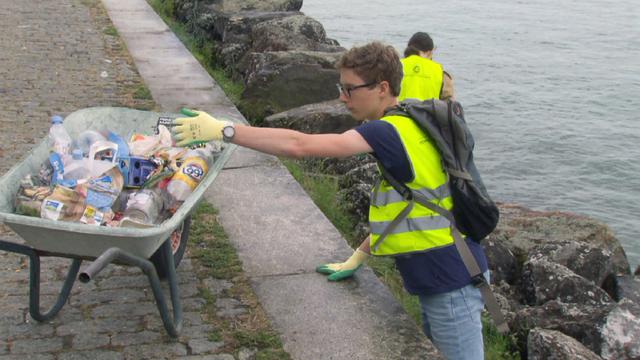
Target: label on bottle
<point>191,172</point>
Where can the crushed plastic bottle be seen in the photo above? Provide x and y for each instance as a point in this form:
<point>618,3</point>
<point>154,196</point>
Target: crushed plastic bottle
<point>59,139</point>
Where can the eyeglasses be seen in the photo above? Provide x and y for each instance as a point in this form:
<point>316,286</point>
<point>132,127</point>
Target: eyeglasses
<point>346,90</point>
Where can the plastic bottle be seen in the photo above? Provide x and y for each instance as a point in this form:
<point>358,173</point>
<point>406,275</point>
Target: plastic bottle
<point>78,167</point>
<point>59,139</point>
<point>194,167</point>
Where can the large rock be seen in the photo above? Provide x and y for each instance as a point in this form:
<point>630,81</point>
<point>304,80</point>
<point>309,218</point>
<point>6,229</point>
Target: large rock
<point>319,118</point>
<point>234,32</point>
<point>621,332</point>
<point>502,262</point>
<point>279,81</point>
<point>627,287</point>
<point>544,281</point>
<point>581,322</point>
<point>592,262</point>
<point>297,32</point>
<point>251,31</point>
<point>232,6</point>
<point>522,230</point>
<point>545,344</point>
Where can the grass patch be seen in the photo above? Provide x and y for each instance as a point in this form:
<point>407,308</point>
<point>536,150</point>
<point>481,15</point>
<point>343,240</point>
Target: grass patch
<point>215,257</point>
<point>210,244</point>
<point>498,346</point>
<point>201,49</point>
<point>257,339</point>
<point>142,93</point>
<point>110,30</point>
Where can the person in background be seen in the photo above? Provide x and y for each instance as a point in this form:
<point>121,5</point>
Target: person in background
<point>432,268</point>
<point>424,78</point>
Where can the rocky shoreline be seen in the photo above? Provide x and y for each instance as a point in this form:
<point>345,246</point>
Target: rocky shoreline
<point>563,280</point>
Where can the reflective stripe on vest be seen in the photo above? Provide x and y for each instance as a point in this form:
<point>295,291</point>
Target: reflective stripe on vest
<point>422,78</point>
<point>381,199</point>
<point>422,229</point>
<point>423,223</point>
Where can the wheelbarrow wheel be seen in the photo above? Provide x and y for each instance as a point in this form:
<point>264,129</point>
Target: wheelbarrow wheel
<point>178,240</point>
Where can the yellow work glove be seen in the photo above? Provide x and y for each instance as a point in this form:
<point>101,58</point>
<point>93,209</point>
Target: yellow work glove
<point>341,271</point>
<point>199,127</point>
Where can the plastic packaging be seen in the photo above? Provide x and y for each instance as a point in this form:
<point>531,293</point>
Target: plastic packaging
<point>145,146</point>
<point>102,150</point>
<point>63,204</point>
<point>194,166</point>
<point>102,193</point>
<point>135,170</point>
<point>59,139</point>
<point>88,138</point>
<point>57,175</point>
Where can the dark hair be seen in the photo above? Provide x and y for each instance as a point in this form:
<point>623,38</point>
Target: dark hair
<point>374,62</point>
<point>420,41</point>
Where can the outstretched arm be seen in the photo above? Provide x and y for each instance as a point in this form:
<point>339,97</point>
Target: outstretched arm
<point>281,142</point>
<point>295,144</point>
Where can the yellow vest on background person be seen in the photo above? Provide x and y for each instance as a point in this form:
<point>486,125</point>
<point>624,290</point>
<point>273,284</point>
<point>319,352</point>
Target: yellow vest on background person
<point>422,78</point>
<point>423,229</point>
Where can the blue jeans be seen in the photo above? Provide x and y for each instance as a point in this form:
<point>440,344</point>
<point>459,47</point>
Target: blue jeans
<point>453,322</point>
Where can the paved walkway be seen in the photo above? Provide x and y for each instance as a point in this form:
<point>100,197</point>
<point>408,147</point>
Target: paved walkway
<point>279,233</point>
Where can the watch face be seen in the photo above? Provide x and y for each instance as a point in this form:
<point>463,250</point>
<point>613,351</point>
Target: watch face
<point>228,132</point>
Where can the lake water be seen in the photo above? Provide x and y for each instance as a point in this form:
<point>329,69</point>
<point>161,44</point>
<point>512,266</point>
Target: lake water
<point>551,90</point>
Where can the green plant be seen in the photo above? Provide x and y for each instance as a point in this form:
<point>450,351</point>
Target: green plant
<point>257,339</point>
<point>110,30</point>
<point>142,93</point>
<point>211,245</point>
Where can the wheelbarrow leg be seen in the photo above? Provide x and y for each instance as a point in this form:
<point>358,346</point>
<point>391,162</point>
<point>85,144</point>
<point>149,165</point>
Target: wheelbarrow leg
<point>34,281</point>
<point>34,289</point>
<point>172,279</point>
<point>174,326</point>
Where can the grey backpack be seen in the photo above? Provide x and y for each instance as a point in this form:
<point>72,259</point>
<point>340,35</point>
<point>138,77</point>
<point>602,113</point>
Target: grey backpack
<point>475,214</point>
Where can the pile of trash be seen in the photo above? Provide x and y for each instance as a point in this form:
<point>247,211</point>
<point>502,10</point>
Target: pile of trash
<point>100,179</point>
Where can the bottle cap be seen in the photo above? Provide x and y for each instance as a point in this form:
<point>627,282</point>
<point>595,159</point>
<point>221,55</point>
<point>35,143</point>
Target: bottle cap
<point>76,154</point>
<point>56,119</point>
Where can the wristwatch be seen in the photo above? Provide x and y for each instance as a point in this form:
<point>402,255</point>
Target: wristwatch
<point>228,132</point>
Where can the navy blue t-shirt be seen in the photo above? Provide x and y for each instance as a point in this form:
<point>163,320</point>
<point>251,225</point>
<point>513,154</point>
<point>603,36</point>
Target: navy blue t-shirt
<point>432,272</point>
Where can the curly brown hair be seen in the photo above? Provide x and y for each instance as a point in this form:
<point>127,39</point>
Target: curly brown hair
<point>374,62</point>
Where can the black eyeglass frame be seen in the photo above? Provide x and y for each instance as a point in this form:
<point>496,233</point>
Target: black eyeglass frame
<point>347,90</point>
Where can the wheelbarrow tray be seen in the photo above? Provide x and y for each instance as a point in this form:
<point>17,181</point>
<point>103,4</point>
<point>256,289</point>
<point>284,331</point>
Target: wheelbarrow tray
<point>89,241</point>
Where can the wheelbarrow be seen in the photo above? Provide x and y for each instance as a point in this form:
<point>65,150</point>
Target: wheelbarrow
<point>155,250</point>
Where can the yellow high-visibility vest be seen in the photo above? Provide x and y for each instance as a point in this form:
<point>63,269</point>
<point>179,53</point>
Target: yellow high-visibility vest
<point>422,229</point>
<point>422,78</point>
